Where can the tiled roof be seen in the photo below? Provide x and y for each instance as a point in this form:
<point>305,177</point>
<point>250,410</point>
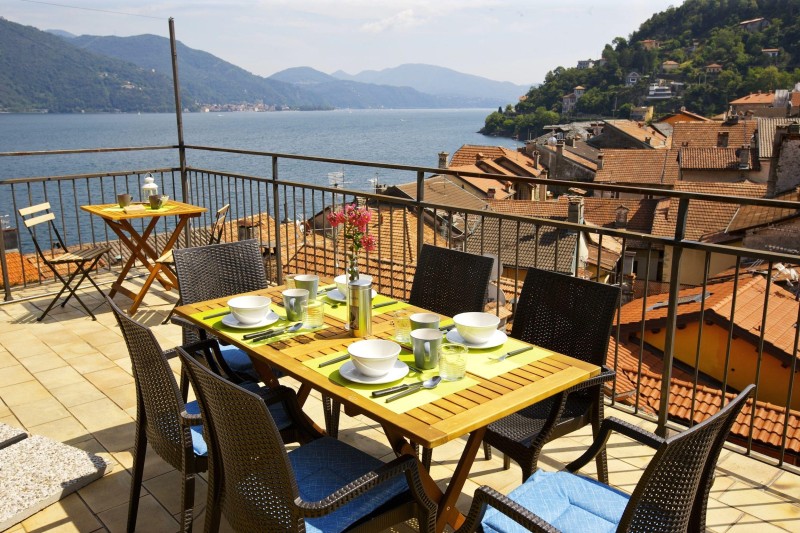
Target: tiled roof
<point>782,310</point>
<point>755,98</point>
<point>766,133</point>
<point>543,247</point>
<point>767,423</point>
<point>469,153</point>
<point>705,134</point>
<point>639,131</point>
<point>598,211</point>
<point>579,157</point>
<point>684,116</point>
<point>750,216</point>
<point>483,184</point>
<point>705,218</point>
<point>22,268</point>
<point>640,167</point>
<point>710,158</point>
<point>442,190</point>
<point>794,98</point>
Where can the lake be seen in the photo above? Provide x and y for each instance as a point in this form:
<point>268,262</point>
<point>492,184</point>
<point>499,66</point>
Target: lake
<point>408,137</point>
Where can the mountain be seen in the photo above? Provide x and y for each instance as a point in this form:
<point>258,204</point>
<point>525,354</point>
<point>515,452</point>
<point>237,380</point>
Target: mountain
<point>755,45</point>
<point>441,81</point>
<point>342,93</point>
<point>206,78</point>
<point>41,72</point>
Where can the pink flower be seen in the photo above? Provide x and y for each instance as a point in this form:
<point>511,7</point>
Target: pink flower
<point>369,243</point>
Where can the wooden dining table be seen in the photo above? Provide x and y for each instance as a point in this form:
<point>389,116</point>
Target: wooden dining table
<point>121,221</point>
<point>491,389</point>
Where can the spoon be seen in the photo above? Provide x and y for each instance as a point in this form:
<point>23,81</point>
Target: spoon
<point>278,331</point>
<point>427,384</point>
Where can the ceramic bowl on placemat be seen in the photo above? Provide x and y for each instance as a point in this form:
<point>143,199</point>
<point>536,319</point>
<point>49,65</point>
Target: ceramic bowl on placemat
<point>374,357</point>
<point>476,327</point>
<point>249,309</point>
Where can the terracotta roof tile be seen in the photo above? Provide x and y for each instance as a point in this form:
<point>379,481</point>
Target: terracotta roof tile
<point>639,167</point>
<point>705,218</point>
<point>751,216</point>
<point>755,98</point>
<point>781,312</point>
<point>443,190</point>
<point>710,158</point>
<point>706,134</point>
<point>639,131</point>
<point>24,268</point>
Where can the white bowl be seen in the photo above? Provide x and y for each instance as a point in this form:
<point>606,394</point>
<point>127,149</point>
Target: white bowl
<point>476,328</point>
<point>249,309</point>
<point>374,357</point>
<point>341,282</point>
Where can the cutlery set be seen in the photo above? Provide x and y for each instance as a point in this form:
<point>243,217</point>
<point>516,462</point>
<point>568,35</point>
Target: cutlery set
<point>272,332</point>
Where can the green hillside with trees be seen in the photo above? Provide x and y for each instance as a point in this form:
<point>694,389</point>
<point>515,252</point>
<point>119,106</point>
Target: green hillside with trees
<point>695,35</point>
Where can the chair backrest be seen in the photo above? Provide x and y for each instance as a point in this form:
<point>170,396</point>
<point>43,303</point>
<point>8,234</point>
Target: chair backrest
<point>676,483</point>
<point>449,282</point>
<point>158,399</point>
<point>257,477</point>
<point>216,271</point>
<point>218,227</point>
<point>566,314</point>
<point>36,215</point>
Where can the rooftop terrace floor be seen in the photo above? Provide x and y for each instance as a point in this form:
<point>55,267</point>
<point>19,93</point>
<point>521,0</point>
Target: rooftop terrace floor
<point>69,378</point>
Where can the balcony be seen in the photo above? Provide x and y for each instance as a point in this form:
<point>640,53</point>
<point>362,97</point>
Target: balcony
<point>69,378</point>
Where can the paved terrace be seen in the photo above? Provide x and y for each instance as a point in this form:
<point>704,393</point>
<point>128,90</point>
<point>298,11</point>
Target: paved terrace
<point>69,378</point>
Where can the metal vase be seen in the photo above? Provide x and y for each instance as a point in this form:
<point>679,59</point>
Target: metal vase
<point>359,307</point>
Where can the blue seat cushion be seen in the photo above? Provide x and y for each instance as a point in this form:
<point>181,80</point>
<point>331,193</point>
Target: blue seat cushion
<point>239,362</point>
<point>198,442</point>
<point>325,465</point>
<point>277,410</point>
<point>567,501</point>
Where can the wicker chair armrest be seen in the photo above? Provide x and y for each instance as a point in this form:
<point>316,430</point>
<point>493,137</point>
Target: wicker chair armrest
<point>606,374</point>
<point>404,465</point>
<point>182,322</point>
<point>189,419</point>
<point>485,496</point>
<point>606,427</point>
<point>301,424</point>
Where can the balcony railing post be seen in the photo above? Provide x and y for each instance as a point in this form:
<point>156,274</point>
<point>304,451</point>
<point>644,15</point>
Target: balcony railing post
<point>672,311</point>
<point>276,218</point>
<point>185,189</point>
<point>4,265</point>
<point>420,210</point>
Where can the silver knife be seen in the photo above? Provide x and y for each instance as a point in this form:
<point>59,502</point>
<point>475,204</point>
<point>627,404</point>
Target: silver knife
<point>384,304</point>
<point>512,353</point>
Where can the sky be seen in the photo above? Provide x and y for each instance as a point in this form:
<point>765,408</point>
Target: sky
<point>504,40</point>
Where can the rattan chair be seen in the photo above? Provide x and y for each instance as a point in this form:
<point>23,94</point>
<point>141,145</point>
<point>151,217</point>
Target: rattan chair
<point>216,271</point>
<point>449,282</point>
<point>572,316</point>
<point>214,236</point>
<point>171,427</point>
<point>670,497</point>
<point>324,485</point>
<point>81,261</point>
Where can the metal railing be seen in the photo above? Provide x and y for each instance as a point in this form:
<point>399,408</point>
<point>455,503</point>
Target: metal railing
<point>284,208</point>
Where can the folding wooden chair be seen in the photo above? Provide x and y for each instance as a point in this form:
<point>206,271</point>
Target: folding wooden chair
<point>83,260</point>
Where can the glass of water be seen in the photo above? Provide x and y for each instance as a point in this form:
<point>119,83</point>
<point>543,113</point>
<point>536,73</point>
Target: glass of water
<point>289,278</point>
<point>402,326</point>
<point>453,361</point>
<point>314,313</point>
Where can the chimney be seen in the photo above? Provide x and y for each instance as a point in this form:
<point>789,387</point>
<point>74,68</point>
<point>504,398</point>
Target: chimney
<point>571,142</point>
<point>443,159</point>
<point>536,159</point>
<point>744,158</point>
<point>575,210</point>
<point>647,140</point>
<point>560,147</point>
<point>600,161</point>
<point>621,218</point>
<point>490,193</point>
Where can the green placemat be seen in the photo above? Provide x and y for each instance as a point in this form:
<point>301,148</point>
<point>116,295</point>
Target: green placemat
<point>338,310</point>
<point>483,362</point>
<point>238,334</point>
<point>147,209</point>
<point>412,401</point>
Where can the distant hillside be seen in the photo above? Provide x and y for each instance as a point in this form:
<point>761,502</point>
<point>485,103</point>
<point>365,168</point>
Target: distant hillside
<point>207,78</point>
<point>41,72</point>
<point>340,93</point>
<point>442,82</point>
<point>694,35</point>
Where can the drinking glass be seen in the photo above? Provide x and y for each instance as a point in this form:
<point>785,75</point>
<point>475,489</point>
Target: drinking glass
<point>290,284</point>
<point>314,312</point>
<point>402,326</point>
<point>453,361</point>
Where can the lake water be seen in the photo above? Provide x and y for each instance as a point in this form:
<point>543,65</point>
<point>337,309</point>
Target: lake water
<point>408,137</point>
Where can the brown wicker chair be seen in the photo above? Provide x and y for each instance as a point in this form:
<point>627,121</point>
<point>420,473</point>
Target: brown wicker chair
<point>214,236</point>
<point>670,497</point>
<point>215,271</point>
<point>323,485</point>
<point>82,261</point>
<point>171,427</point>
<point>572,316</point>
